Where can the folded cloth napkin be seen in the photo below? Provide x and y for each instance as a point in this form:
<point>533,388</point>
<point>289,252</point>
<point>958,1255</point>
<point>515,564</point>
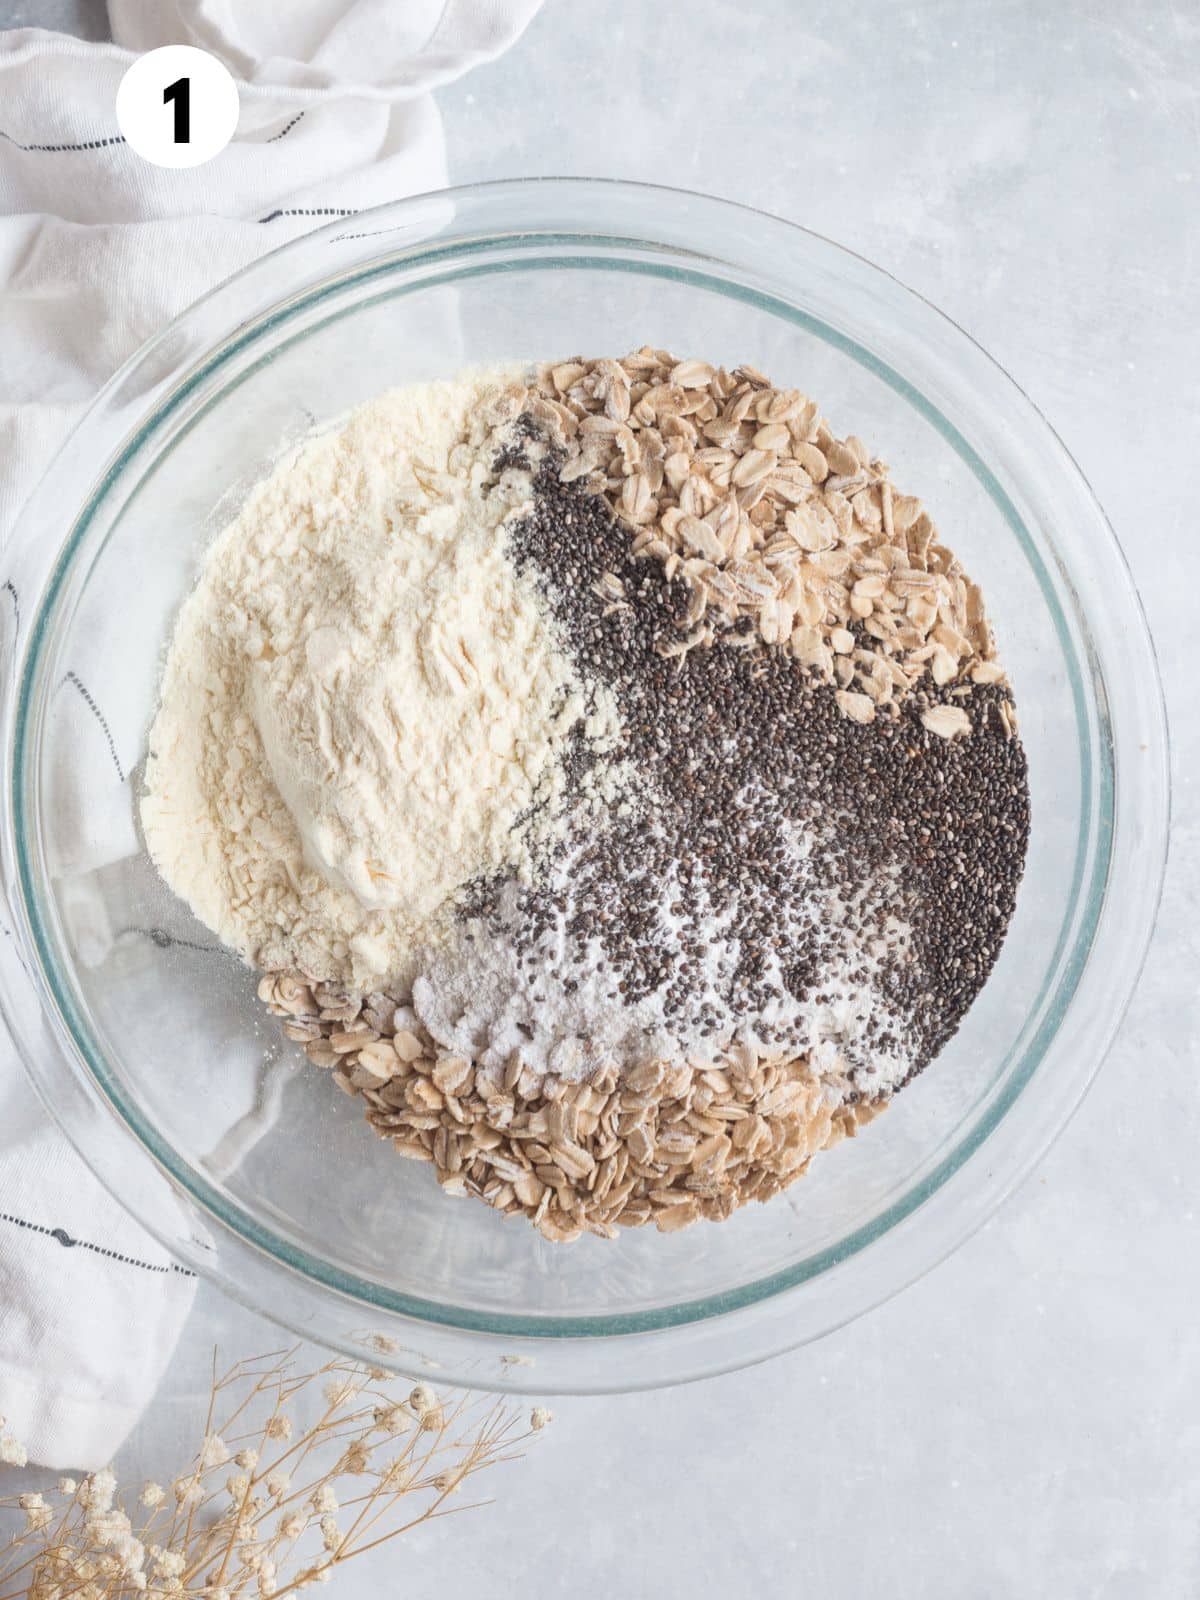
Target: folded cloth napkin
<point>97,249</point>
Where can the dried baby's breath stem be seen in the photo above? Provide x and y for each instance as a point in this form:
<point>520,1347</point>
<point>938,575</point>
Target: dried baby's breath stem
<point>236,1522</point>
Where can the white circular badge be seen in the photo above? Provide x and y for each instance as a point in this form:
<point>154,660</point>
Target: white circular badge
<point>177,106</point>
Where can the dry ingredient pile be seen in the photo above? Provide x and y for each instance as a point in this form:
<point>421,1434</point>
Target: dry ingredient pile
<point>363,698</point>
<point>611,774</point>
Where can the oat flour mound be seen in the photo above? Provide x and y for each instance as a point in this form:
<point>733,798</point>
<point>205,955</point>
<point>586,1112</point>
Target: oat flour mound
<point>364,706</point>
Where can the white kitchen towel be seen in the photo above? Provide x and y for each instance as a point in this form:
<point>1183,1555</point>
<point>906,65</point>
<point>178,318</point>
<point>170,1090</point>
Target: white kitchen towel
<point>97,250</point>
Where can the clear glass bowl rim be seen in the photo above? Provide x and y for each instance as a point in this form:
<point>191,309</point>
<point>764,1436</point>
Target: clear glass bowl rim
<point>610,203</point>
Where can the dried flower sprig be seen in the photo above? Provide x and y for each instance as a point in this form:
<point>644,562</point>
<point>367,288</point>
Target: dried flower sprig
<point>268,1505</point>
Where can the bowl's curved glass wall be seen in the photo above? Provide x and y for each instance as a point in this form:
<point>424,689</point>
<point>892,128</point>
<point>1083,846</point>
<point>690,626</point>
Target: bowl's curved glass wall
<point>175,1019</point>
<point>154,1038</point>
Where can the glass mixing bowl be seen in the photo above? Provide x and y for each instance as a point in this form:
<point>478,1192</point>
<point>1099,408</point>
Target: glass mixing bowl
<point>145,1039</point>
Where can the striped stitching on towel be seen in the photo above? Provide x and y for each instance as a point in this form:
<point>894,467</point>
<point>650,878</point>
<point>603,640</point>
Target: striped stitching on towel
<point>286,129</point>
<point>73,678</point>
<point>56,149</point>
<point>313,211</point>
<point>65,1239</point>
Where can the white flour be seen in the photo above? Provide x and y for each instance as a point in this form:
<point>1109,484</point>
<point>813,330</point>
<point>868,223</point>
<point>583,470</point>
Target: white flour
<point>362,699</point>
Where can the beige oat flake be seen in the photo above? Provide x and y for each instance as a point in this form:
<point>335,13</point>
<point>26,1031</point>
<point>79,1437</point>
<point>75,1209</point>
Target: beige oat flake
<point>947,722</point>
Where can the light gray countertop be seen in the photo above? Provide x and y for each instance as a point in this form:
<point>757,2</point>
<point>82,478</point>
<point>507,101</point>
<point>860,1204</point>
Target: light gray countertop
<point>1023,1422</point>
